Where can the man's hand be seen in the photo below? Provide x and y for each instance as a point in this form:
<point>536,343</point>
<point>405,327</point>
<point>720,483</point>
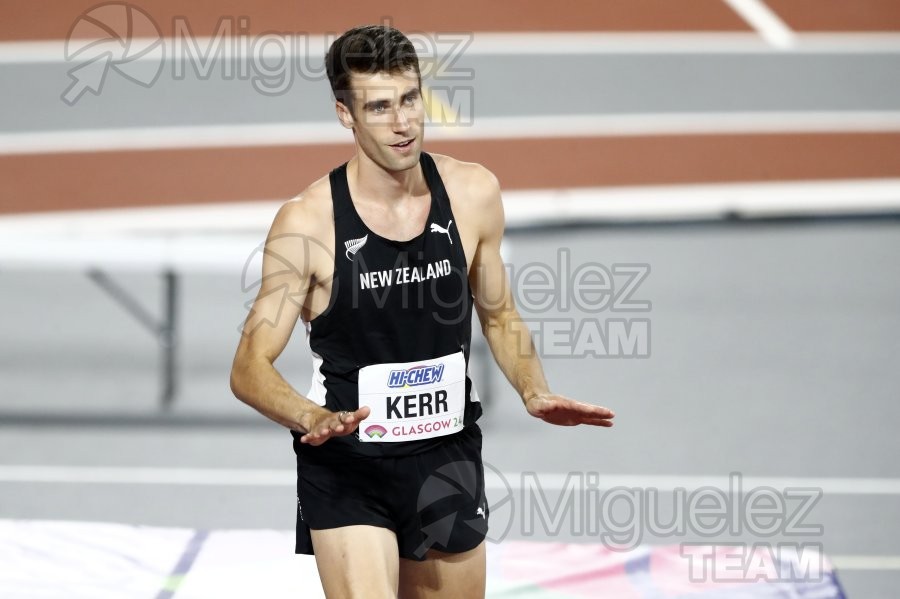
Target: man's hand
<point>563,411</point>
<point>325,425</point>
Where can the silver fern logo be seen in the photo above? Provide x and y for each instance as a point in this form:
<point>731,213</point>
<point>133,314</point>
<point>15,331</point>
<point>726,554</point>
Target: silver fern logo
<point>354,245</point>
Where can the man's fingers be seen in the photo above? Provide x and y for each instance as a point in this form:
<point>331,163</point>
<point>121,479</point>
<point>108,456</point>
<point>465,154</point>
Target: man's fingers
<point>604,413</point>
<point>599,411</point>
<point>355,416</point>
<point>351,420</point>
<point>316,437</point>
<point>579,406</point>
<point>337,423</point>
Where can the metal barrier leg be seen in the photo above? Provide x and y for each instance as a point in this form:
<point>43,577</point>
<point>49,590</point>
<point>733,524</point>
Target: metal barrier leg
<point>165,330</point>
<point>168,339</point>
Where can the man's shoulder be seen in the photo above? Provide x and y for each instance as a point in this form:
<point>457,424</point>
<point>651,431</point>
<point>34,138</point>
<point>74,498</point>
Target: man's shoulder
<point>308,211</point>
<point>471,175</point>
<point>474,194</point>
<point>469,180</point>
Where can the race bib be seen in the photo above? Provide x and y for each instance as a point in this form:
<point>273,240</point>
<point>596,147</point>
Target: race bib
<point>413,400</point>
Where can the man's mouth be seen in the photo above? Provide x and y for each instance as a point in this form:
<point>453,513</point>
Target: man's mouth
<point>403,144</point>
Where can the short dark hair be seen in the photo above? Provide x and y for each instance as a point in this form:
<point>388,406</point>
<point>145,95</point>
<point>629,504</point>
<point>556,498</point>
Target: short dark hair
<point>368,49</point>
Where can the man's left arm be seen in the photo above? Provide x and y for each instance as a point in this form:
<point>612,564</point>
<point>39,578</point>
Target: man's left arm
<point>507,334</point>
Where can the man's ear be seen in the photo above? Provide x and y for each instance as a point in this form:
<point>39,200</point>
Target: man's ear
<point>344,115</point>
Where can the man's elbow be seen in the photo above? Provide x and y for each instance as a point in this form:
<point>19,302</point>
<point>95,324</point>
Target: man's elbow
<point>236,381</point>
<point>240,375</point>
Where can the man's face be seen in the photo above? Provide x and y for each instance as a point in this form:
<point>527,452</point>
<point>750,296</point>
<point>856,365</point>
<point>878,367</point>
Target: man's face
<point>388,117</point>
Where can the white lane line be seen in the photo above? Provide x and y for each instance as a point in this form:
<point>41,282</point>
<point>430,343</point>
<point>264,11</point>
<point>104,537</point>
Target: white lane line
<point>221,236</point>
<point>765,21</point>
<point>708,201</point>
<point>161,138</point>
<point>828,485</point>
<point>147,476</point>
<point>682,42</point>
<point>551,126</point>
<point>865,562</point>
<point>508,44</point>
<point>515,480</point>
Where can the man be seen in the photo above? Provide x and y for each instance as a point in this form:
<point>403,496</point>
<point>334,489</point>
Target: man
<point>383,260</point>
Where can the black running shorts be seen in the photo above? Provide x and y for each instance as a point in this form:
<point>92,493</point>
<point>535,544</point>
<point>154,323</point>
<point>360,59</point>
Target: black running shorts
<point>430,500</point>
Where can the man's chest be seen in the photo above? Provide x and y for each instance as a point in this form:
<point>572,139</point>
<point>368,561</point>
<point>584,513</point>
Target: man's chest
<point>399,223</point>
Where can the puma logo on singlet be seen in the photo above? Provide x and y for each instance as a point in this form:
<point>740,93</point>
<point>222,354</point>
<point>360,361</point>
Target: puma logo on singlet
<point>354,245</point>
<point>436,228</point>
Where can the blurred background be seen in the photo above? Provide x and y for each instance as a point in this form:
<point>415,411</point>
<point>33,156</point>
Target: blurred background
<point>733,166</point>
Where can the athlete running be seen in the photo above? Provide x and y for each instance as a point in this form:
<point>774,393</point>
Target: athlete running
<point>383,260</point>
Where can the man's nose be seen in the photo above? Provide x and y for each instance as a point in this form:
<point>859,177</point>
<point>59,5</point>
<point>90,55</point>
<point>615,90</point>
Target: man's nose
<point>401,122</point>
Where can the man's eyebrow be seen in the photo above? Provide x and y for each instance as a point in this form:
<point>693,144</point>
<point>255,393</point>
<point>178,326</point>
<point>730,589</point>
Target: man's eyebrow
<point>376,104</point>
<point>411,92</point>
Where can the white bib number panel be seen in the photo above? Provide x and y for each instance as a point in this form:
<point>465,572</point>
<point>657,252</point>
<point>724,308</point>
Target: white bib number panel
<point>411,401</point>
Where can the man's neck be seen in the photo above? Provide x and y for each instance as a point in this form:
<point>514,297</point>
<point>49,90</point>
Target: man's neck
<point>377,184</point>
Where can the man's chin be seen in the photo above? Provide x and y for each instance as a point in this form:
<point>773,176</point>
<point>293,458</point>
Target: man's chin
<point>403,163</point>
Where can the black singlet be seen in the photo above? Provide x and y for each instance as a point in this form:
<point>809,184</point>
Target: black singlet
<point>396,334</point>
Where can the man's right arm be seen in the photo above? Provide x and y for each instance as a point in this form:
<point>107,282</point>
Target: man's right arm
<point>288,267</point>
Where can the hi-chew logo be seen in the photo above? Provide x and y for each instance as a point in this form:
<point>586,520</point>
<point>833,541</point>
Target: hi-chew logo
<point>376,430</point>
<point>417,375</point>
